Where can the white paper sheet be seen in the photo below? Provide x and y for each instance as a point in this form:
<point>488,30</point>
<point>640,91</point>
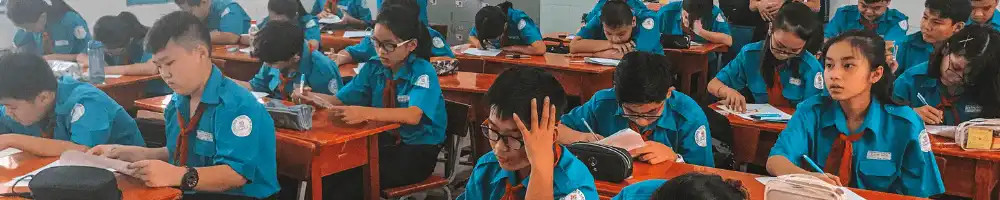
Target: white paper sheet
<point>357,70</point>
<point>946,131</point>
<point>8,152</point>
<point>602,61</point>
<point>848,194</point>
<point>76,158</point>
<point>480,52</point>
<point>356,34</point>
<point>333,19</point>
<point>112,76</point>
<point>755,109</point>
<point>626,139</point>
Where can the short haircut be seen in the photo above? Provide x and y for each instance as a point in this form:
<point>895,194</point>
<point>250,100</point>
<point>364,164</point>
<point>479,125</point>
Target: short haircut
<point>118,31</point>
<point>698,186</point>
<point>490,21</point>
<point>643,77</point>
<point>181,28</point>
<point>24,75</point>
<point>188,2</point>
<point>278,41</point>
<point>615,13</point>
<point>957,11</point>
<point>875,1</point>
<point>698,9</point>
<point>514,88</point>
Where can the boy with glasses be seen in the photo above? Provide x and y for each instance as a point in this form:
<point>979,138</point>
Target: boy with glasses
<point>871,15</point>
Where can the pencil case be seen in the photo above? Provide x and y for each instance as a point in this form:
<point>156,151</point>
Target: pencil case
<point>976,135</point>
<point>606,163</point>
<point>297,117</point>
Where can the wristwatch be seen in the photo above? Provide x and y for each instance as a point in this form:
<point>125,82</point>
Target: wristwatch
<point>190,179</point>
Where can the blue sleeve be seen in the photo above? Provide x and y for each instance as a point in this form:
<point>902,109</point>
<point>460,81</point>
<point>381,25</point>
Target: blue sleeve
<point>832,28</point>
<point>426,98</point>
<point>920,175</point>
<point>732,75</point>
<point>721,25</point>
<point>329,79</point>
<point>260,81</point>
<point>318,7</point>
<point>898,31</point>
<point>4,119</point>
<point>358,92</point>
<point>473,32</point>
<point>93,127</point>
<point>591,30</point>
<point>146,56</point>
<point>475,188</point>
<point>440,51</point>
<point>530,33</point>
<point>312,32</point>
<point>234,21</point>
<point>695,153</point>
<point>793,142</point>
<point>358,10</point>
<point>231,148</point>
<point>363,51</point>
<point>903,91</point>
<point>80,40</point>
<point>574,118</point>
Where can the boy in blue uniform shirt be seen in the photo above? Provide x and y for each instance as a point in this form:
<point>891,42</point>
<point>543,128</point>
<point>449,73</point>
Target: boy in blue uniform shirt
<point>290,10</point>
<point>46,116</point>
<point>698,18</point>
<point>220,140</point>
<point>944,90</point>
<point>225,18</point>
<point>55,31</point>
<point>984,12</point>
<point>526,162</point>
<point>352,12</point>
<point>618,31</point>
<point>123,37</point>
<point>872,15</point>
<point>645,101</point>
<point>502,26</point>
<point>690,186</point>
<point>289,62</point>
<point>636,5</point>
<point>365,51</point>
<point>856,133</point>
<point>942,18</point>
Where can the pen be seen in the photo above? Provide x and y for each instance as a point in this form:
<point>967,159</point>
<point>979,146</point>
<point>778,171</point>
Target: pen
<point>813,164</point>
<point>302,83</point>
<point>588,128</point>
<point>922,100</point>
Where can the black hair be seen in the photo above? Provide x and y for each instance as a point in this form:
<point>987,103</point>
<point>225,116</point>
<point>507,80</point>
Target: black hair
<point>979,45</point>
<point>24,75</point>
<point>28,11</point>
<point>583,19</point>
<point>796,18</point>
<point>182,28</point>
<point>872,47</point>
<point>120,30</point>
<point>279,41</point>
<point>491,21</point>
<point>643,77</point>
<point>188,2</point>
<point>292,9</point>
<point>615,13</point>
<point>698,9</point>
<point>956,11</point>
<point>401,18</point>
<point>875,1</point>
<point>514,89</point>
<point>698,186</point>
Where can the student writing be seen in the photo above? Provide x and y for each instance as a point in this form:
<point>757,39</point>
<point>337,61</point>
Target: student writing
<point>55,30</point>
<point>289,62</point>
<point>502,26</point>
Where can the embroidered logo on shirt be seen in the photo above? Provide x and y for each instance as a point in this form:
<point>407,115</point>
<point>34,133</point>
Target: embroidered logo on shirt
<point>795,81</point>
<point>818,81</point>
<point>205,136</point>
<point>878,155</point>
<point>242,125</point>
<point>438,42</point>
<point>61,43</point>
<point>521,24</point>
<point>700,137</point>
<point>973,108</point>
<point>904,25</point>
<point>80,32</point>
<point>648,24</point>
<point>575,195</point>
<point>423,81</point>
<point>720,18</point>
<point>403,98</point>
<point>925,141</point>
<point>225,12</point>
<point>333,86</point>
<point>77,112</point>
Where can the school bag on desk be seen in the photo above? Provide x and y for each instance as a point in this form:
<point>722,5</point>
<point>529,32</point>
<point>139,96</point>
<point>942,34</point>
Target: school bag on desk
<point>801,187</point>
<point>74,183</point>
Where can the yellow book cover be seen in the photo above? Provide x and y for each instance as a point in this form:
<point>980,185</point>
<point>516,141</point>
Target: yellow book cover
<point>979,138</point>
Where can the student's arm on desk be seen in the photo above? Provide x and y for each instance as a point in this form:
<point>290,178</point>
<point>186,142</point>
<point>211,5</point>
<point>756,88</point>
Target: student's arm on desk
<point>63,57</point>
<point>714,37</point>
<point>792,145</point>
<point>474,42</point>
<point>38,146</point>
<point>536,48</point>
<point>568,135</point>
<point>226,38</point>
<point>138,69</point>
<point>589,46</point>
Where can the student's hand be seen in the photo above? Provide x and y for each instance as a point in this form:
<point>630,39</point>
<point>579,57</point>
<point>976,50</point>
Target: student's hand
<point>735,101</point>
<point>698,28</point>
<point>352,114</point>
<point>156,173</point>
<point>624,48</point>
<point>120,152</point>
<point>930,115</point>
<point>890,55</point>
<point>324,14</point>
<point>609,53</point>
<point>246,39</point>
<point>538,140</point>
<point>5,141</point>
<point>828,178</point>
<point>82,59</point>
<point>654,153</point>
<point>347,18</point>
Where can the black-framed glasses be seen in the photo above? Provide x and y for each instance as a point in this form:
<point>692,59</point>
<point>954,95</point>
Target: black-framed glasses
<point>388,47</point>
<point>781,49</point>
<point>494,136</point>
<point>651,116</point>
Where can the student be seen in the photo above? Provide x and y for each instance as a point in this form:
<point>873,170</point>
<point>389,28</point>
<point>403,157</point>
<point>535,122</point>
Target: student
<point>856,132</point>
<point>691,186</point>
<point>645,101</point>
<point>354,13</point>
<point>365,51</point>
<point>225,18</point>
<point>220,140</point>
<point>698,18</point>
<point>636,5</point>
<point>617,32</point>
<point>502,26</point>
<point>45,116</point>
<point>871,15</point>
<point>123,37</point>
<point>401,86</point>
<point>983,12</point>
<point>55,31</point>
<point>526,162</point>
<point>942,18</point>
<point>289,62</point>
<point>776,71</point>
<point>945,83</point>
<point>291,10</point>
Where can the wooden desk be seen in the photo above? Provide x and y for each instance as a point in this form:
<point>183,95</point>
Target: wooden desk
<point>335,40</point>
<point>692,67</point>
<point>558,35</point>
<point>579,78</point>
<point>132,189</point>
<point>126,89</point>
<point>644,171</point>
<point>329,147</point>
<point>753,147</point>
<point>239,65</point>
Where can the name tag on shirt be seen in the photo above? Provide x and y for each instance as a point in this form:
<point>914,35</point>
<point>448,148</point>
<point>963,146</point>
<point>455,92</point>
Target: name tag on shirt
<point>973,108</point>
<point>403,98</point>
<point>795,81</point>
<point>205,136</point>
<point>878,155</point>
<point>61,42</point>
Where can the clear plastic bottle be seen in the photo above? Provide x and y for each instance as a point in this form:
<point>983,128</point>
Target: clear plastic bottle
<point>253,32</point>
<point>95,56</point>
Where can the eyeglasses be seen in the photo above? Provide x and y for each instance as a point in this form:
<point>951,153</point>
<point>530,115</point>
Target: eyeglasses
<point>780,49</point>
<point>388,47</point>
<point>494,136</point>
<point>651,116</point>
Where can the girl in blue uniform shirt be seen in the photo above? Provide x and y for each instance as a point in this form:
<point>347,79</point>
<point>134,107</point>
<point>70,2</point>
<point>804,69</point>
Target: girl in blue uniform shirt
<point>45,115</point>
<point>365,51</point>
<point>288,61</point>
<point>698,18</point>
<point>777,71</point>
<point>291,10</point>
<point>944,90</point>
<point>353,13</point>
<point>856,132</point>
<point>401,86</point>
<point>983,12</point>
<point>690,186</point>
<point>871,15</point>
<point>225,18</point>
<point>617,31</point>
<point>502,26</point>
<point>56,31</point>
<point>942,18</point>
<point>526,162</point>
<point>123,37</point>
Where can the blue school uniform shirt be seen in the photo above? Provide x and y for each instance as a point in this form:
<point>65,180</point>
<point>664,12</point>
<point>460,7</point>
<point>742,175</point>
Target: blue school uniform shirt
<point>365,50</point>
<point>912,51</point>
<point>309,24</point>
<point>421,3</point>
<point>321,74</point>
<point>521,30</point>
<point>228,16</point>
<point>670,21</point>
<point>682,126</point>
<point>235,130</point>
<point>69,35</point>
<point>917,81</point>
<point>892,25</point>
<point>893,156</point>
<point>417,86</point>
<point>358,10</point>
<point>642,190</point>
<point>137,54</point>
<point>646,33</point>
<point>637,6</point>
<point>83,115</point>
<point>570,178</point>
<point>744,72</point>
<point>995,22</point>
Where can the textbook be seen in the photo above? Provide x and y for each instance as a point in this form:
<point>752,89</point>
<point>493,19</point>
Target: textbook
<point>626,139</point>
<point>75,158</point>
<point>480,52</point>
<point>760,112</point>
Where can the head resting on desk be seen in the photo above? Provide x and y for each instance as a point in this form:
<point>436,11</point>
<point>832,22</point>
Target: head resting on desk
<point>618,21</point>
<point>181,52</point>
<point>643,83</point>
<point>967,62</point>
<point>491,22</point>
<point>27,87</point>
<point>982,10</point>
<point>285,10</point>
<point>34,15</point>
<point>698,186</point>
<point>279,44</point>
<point>200,8</point>
<point>855,68</point>
<point>510,94</point>
<point>399,33</point>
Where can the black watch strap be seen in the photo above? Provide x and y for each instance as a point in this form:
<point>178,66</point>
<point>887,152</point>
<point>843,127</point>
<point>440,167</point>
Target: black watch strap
<point>190,179</point>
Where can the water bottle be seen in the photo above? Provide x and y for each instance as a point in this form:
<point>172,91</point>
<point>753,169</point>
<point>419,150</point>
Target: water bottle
<point>95,56</point>
<point>253,32</point>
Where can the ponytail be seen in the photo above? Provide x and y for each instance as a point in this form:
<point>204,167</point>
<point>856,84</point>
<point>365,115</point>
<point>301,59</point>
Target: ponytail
<point>403,22</point>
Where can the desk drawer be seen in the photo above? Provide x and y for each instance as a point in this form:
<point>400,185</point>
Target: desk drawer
<point>340,157</point>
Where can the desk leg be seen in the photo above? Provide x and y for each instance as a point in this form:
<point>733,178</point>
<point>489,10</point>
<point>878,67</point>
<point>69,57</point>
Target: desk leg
<point>371,174</point>
<point>316,178</point>
<point>986,177</point>
<point>744,145</point>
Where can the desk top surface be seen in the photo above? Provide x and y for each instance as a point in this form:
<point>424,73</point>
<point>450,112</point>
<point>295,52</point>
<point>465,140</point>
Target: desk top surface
<point>23,163</point>
<point>549,60</point>
<point>125,80</point>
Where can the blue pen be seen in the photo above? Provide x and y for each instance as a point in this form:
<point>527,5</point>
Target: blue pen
<point>813,164</point>
<point>922,99</point>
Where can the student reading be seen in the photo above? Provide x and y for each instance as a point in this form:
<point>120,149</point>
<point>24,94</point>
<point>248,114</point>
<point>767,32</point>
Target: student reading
<point>871,15</point>
<point>225,18</point>
<point>777,71</point>
<point>400,86</point>
<point>56,31</point>
<point>856,131</point>
<point>220,140</point>
<point>365,51</point>
<point>941,19</point>
<point>690,186</point>
<point>644,101</point>
<point>290,10</point>
<point>526,162</point>
<point>617,32</point>
<point>944,90</point>
<point>45,115</point>
<point>288,61</point>
<point>502,26</point>
<point>123,37</point>
<point>698,18</point>
<point>984,12</point>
